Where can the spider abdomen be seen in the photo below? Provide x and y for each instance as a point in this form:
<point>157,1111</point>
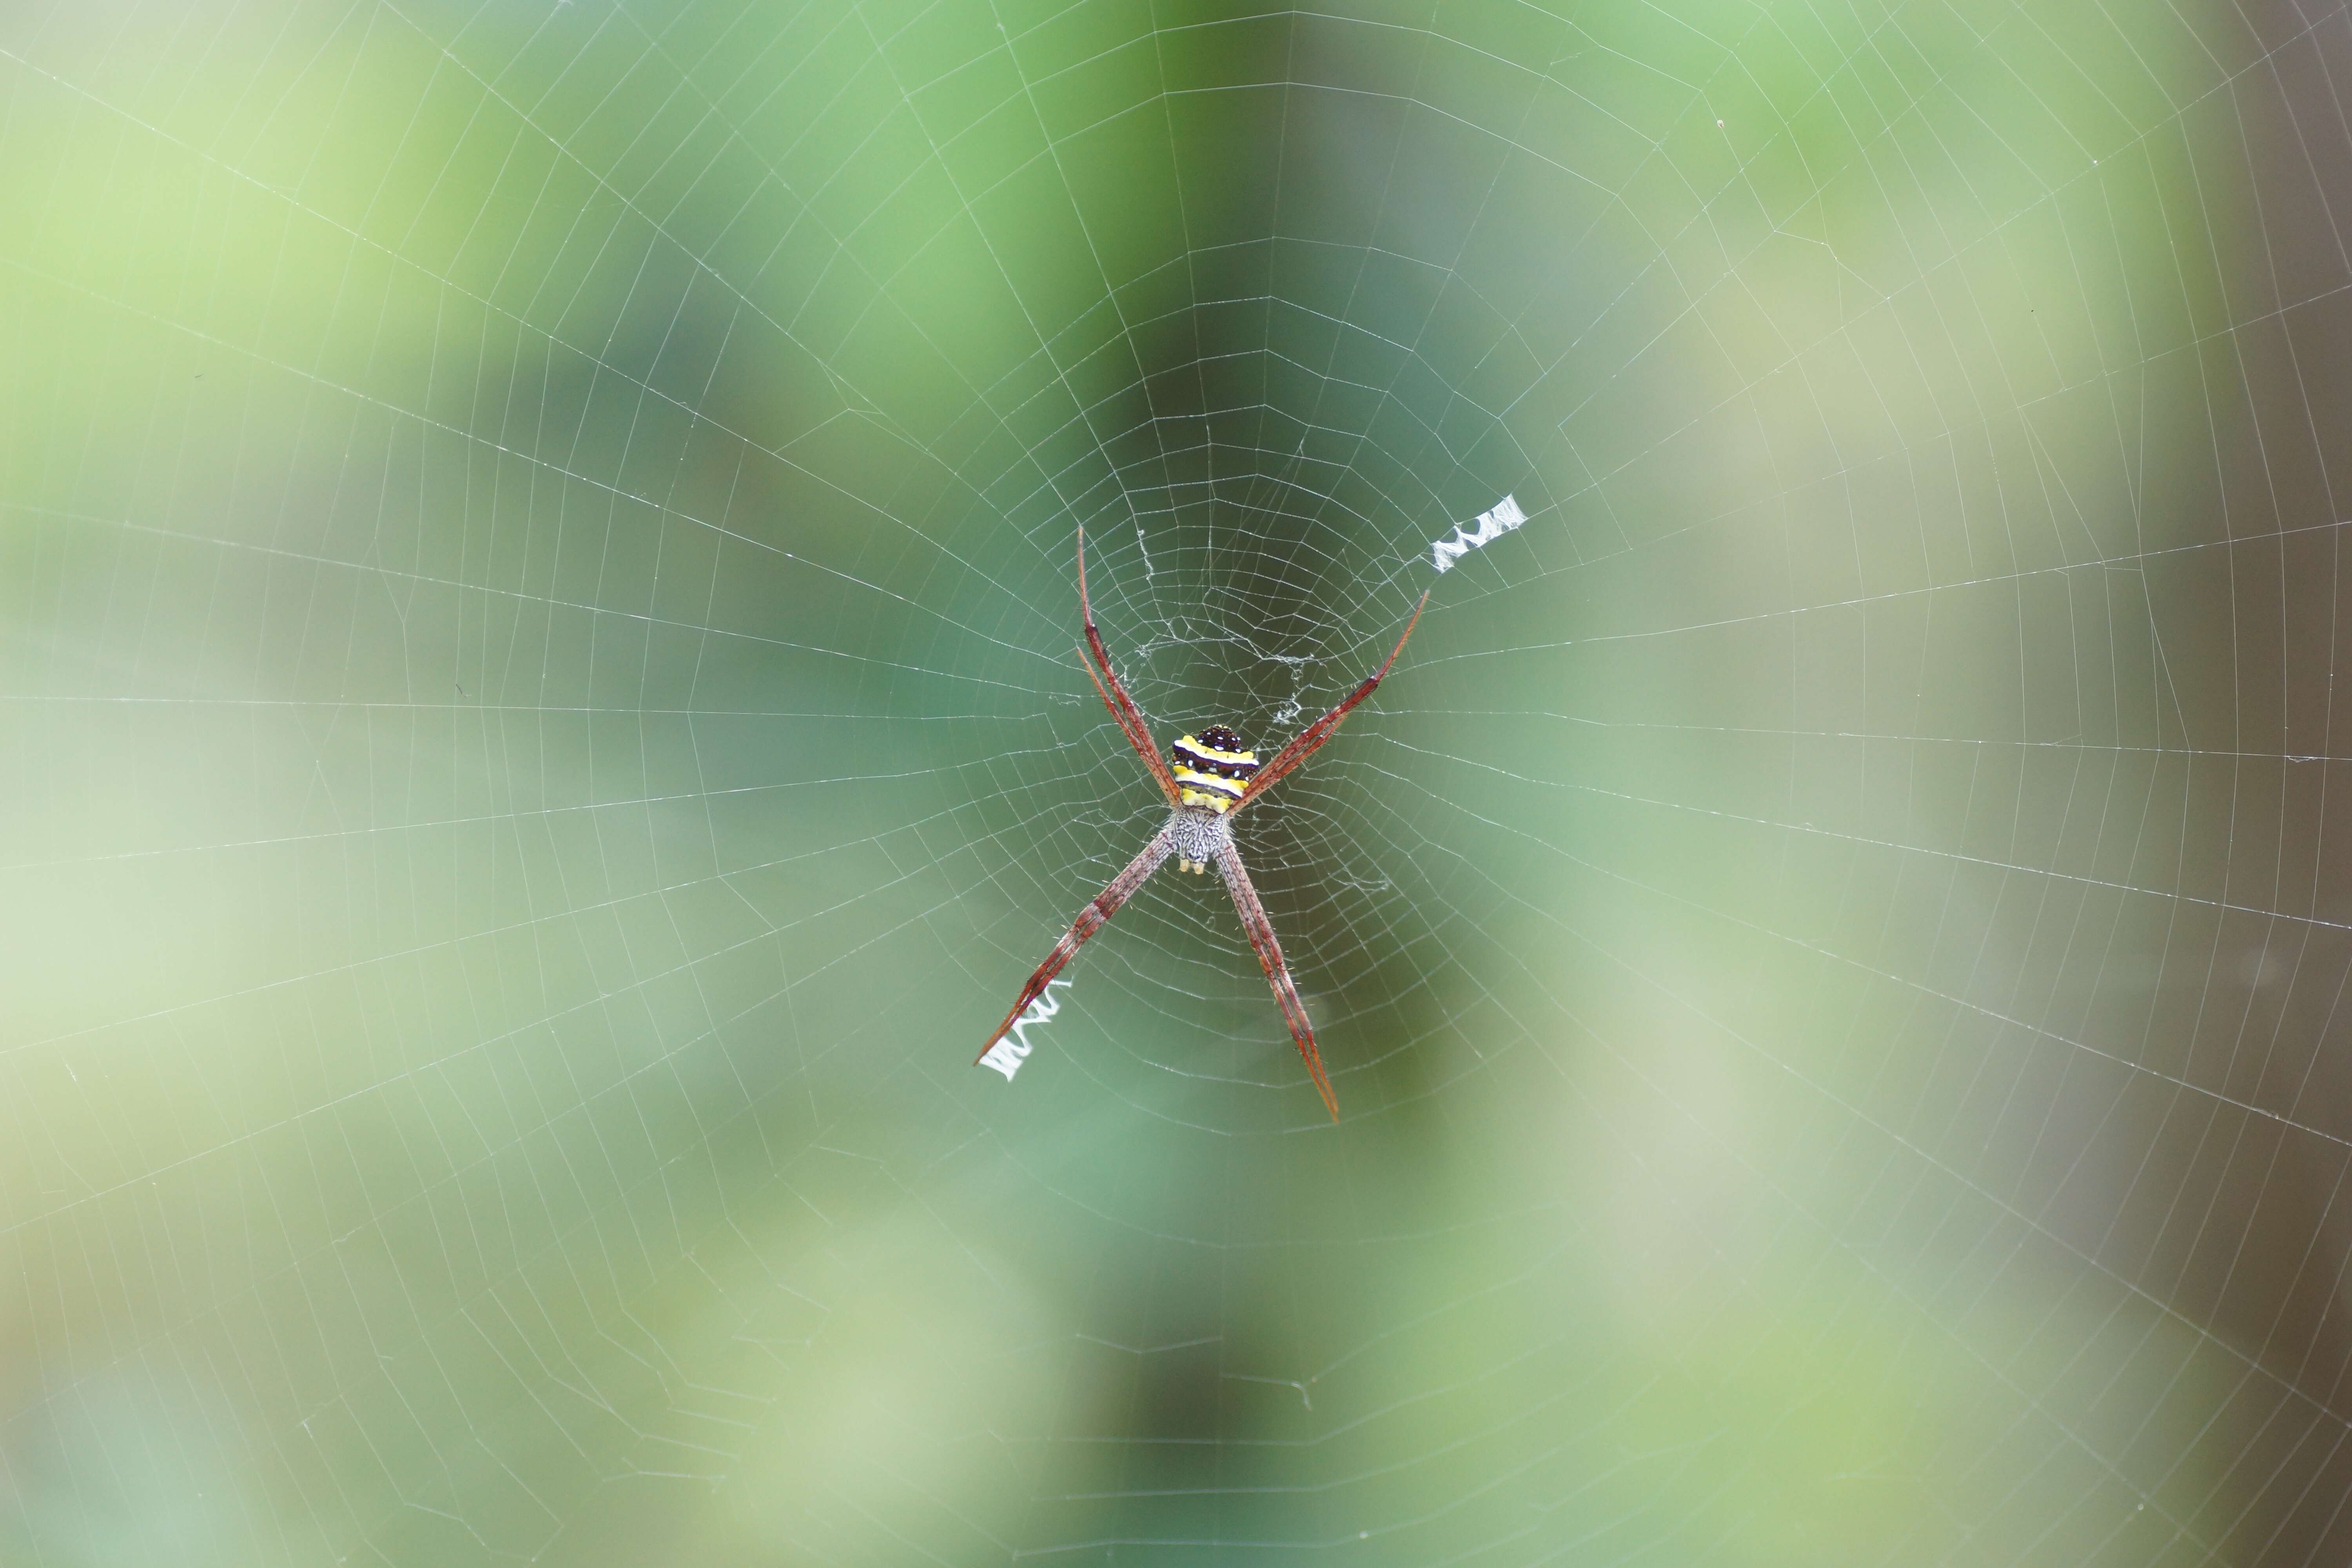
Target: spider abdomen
<point>1213,770</point>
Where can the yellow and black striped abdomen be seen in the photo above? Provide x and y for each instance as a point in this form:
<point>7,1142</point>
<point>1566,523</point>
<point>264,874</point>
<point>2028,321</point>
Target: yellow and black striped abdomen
<point>1212,769</point>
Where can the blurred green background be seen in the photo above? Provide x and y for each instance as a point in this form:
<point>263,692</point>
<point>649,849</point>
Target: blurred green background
<point>538,728</point>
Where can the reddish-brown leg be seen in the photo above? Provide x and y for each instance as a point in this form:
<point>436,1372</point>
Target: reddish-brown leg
<point>1315,734</point>
<point>1090,920</point>
<point>1277,973</point>
<point>1114,697</point>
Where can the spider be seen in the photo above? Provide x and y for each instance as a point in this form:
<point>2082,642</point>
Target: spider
<point>1206,779</point>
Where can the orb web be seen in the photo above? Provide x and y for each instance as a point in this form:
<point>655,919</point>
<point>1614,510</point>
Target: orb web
<point>538,637</point>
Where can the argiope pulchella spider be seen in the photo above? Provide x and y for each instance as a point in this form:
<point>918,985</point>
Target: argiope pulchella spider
<point>1211,778</point>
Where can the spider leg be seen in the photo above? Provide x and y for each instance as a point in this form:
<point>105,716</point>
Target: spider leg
<point>1114,697</point>
<point>1277,973</point>
<point>1090,920</point>
<point>1307,739</point>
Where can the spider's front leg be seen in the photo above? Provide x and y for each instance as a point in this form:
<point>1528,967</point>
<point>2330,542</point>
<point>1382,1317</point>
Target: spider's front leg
<point>1091,919</point>
<point>1277,973</point>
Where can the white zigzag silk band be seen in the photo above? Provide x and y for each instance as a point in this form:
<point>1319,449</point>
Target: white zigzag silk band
<point>1007,1055</point>
<point>1492,525</point>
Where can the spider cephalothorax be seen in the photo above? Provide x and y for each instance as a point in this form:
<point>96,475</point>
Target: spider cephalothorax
<point>1196,834</point>
<point>1207,778</point>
